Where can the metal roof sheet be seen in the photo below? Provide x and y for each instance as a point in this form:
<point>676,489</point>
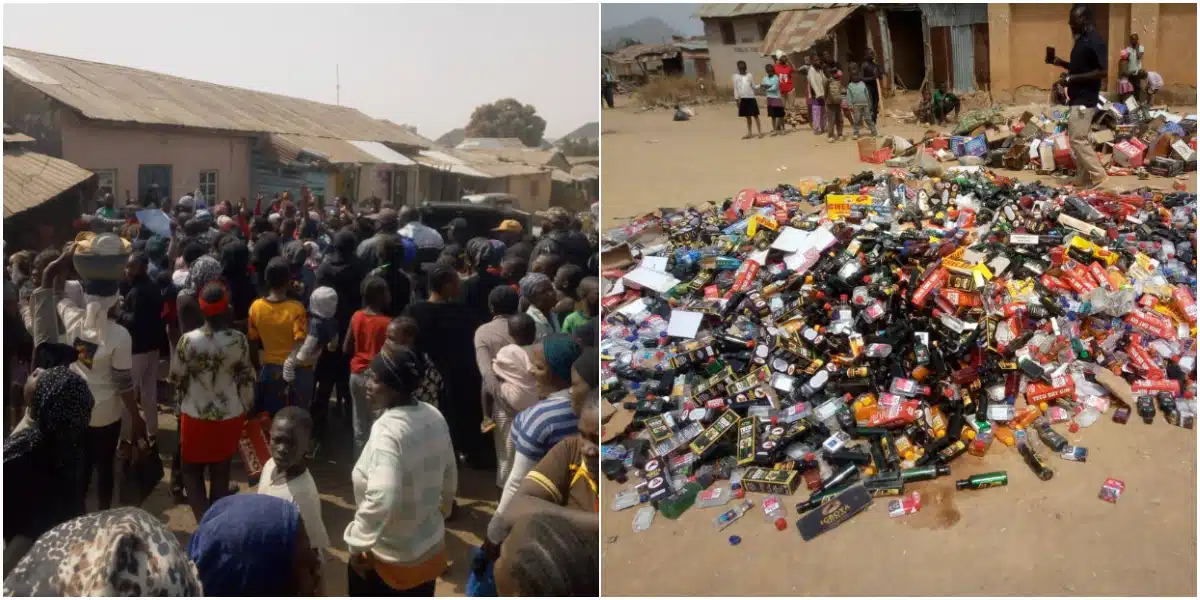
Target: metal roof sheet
<point>122,94</point>
<point>442,160</point>
<point>383,153</point>
<point>31,179</point>
<point>797,30</point>
<point>708,11</point>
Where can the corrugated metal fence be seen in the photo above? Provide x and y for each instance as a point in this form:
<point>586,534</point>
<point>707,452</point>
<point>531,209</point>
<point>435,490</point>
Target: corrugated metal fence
<point>962,52</point>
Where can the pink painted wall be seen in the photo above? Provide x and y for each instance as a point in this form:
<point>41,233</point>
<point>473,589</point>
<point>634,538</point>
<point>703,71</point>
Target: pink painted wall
<point>124,148</point>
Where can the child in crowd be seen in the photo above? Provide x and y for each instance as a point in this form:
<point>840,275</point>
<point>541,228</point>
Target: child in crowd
<point>833,104</point>
<point>286,475</point>
<point>278,325</point>
<point>513,367</point>
<point>322,334</point>
<point>587,304</point>
<point>860,103</point>
<point>775,110</point>
<point>402,333</point>
<point>364,339</point>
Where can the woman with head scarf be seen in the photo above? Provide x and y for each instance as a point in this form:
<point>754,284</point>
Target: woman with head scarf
<point>547,555</point>
<point>483,258</point>
<point>342,271</point>
<point>538,290</point>
<point>214,385</point>
<point>404,485</point>
<point>538,428</point>
<point>235,269</point>
<point>44,461</point>
<point>200,272</point>
<point>105,361</point>
<point>394,253</point>
<point>118,552</point>
<point>254,545</point>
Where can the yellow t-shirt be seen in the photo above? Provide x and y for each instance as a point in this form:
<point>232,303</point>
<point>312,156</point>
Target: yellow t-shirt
<point>279,325</point>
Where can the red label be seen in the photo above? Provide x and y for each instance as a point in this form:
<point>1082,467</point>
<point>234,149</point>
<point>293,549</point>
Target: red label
<point>938,279</point>
<point>1156,385</point>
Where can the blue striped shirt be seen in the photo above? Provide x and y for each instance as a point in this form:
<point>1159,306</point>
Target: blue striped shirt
<point>538,428</point>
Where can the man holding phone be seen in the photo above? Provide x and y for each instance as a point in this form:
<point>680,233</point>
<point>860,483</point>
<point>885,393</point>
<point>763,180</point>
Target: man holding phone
<point>1086,72</point>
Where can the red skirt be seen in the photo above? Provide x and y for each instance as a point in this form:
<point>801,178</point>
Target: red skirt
<point>204,442</point>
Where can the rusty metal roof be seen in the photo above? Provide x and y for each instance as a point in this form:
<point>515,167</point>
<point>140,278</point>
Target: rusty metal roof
<point>114,93</point>
<point>444,160</point>
<point>633,52</point>
<point>494,163</point>
<point>797,30</point>
<point>726,10</point>
<point>31,179</point>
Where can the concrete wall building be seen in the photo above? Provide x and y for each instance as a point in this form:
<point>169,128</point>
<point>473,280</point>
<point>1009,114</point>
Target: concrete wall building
<point>736,32</point>
<point>1019,34</point>
<point>135,129</point>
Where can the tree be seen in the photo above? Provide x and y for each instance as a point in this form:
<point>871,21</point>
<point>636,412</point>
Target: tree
<point>626,42</point>
<point>507,118</point>
<point>580,147</point>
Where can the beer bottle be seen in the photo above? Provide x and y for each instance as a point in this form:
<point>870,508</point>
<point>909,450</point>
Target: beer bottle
<point>924,473</point>
<point>982,481</point>
<point>1035,462</point>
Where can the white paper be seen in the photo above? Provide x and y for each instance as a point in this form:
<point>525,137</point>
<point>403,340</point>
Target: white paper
<point>790,239</point>
<point>617,288</point>
<point>633,308</point>
<point>650,279</point>
<point>657,263</point>
<point>684,323</point>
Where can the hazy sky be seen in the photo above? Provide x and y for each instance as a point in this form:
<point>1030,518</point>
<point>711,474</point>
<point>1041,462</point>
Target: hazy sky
<point>678,16</point>
<point>424,65</point>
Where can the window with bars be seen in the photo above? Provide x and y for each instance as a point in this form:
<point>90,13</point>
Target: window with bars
<point>106,181</point>
<point>208,187</point>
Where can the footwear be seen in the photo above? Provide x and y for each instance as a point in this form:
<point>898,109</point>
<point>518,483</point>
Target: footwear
<point>1098,184</point>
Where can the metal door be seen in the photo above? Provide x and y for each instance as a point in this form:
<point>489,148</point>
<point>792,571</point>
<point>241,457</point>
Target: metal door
<point>155,174</point>
<point>962,53</point>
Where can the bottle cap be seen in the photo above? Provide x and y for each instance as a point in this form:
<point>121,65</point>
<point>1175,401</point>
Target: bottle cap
<point>780,524</point>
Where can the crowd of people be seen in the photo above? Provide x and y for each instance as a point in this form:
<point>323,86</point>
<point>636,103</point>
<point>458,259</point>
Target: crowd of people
<point>831,97</point>
<point>438,349</point>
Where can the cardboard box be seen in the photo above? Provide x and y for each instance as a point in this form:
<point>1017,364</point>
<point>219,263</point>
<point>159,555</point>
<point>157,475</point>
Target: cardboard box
<point>771,481</point>
<point>833,512</point>
<point>996,136</point>
<point>1182,151</point>
<point>1104,136</point>
<point>747,440</point>
<point>1127,154</point>
<point>976,146</point>
<point>1017,157</point>
<point>1160,148</point>
<point>709,437</point>
<point>655,474</point>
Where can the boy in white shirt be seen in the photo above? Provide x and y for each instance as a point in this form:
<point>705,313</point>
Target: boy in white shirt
<point>286,474</point>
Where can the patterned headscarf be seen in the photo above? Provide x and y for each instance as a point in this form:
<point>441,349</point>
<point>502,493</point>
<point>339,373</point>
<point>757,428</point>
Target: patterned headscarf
<point>246,546</point>
<point>488,254</point>
<point>61,410</point>
<point>531,282</point>
<point>203,270</point>
<point>118,552</point>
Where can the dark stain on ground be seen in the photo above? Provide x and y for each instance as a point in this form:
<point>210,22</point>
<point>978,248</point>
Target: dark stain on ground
<point>938,508</point>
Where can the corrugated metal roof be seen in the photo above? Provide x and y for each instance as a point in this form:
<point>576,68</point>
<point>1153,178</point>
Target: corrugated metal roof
<point>585,171</point>
<point>562,176</point>
<point>489,143</point>
<point>709,11</point>
<point>798,30</point>
<point>17,138</point>
<point>633,52</point>
<point>949,15</point>
<point>493,163</point>
<point>383,153</point>
<point>114,93</point>
<point>533,157</point>
<point>31,179</point>
<point>442,160</point>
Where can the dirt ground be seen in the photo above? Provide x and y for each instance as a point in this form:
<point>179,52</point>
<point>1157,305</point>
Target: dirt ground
<point>648,160</point>
<point>1030,538</point>
<point>477,498</point>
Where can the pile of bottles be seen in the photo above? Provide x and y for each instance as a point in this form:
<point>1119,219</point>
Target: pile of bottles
<point>871,330</point>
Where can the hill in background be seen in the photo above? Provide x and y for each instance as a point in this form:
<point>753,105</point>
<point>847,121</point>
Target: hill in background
<point>650,30</point>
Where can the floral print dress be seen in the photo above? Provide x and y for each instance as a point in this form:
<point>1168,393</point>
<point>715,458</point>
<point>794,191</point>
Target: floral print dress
<point>212,374</point>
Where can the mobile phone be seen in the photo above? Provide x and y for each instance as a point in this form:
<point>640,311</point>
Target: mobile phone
<point>1049,55</point>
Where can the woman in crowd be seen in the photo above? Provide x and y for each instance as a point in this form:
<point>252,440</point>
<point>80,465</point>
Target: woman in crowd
<point>404,486</point>
<point>483,256</point>
<point>341,271</point>
<point>446,334</point>
<point>538,428</point>
<point>394,254</point>
<point>489,339</point>
<point>278,324</point>
<point>538,290</point>
<point>323,335</point>
<point>255,545</point>
<point>118,552</point>
<point>235,270</point>
<point>105,360</point>
<point>44,461</point>
<point>214,380</point>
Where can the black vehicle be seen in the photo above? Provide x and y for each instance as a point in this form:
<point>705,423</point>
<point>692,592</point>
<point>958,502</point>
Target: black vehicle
<point>481,218</point>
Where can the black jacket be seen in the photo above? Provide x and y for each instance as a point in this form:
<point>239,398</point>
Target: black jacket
<point>142,315</point>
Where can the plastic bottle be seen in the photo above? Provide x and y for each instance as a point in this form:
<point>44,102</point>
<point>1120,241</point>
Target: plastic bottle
<point>718,496</point>
<point>774,512</point>
<point>727,518</point>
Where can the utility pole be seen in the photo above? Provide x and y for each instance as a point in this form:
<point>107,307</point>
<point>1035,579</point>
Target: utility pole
<point>337,70</point>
